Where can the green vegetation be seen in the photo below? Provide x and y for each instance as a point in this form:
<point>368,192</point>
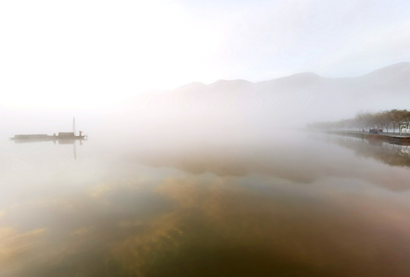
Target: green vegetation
<point>386,120</point>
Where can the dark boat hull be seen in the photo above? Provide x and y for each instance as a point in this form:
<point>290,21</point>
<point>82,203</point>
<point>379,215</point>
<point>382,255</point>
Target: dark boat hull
<point>32,138</point>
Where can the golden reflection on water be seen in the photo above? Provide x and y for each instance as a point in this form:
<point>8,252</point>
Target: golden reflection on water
<point>207,225</point>
<point>236,213</point>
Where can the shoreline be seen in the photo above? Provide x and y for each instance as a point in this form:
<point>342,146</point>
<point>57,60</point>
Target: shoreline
<point>391,138</point>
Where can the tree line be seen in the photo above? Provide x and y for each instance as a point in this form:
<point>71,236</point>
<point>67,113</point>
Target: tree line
<point>385,120</point>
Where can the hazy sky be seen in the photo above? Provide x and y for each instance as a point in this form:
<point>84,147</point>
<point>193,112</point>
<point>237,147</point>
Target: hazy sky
<point>90,53</point>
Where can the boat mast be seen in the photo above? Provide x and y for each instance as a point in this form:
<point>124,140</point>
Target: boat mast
<point>74,125</point>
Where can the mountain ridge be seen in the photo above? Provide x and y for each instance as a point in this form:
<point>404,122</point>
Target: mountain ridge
<point>292,100</point>
<point>397,68</point>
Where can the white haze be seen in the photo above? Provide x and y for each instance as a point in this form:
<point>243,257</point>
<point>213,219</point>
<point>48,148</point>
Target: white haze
<point>101,60</point>
<point>228,107</point>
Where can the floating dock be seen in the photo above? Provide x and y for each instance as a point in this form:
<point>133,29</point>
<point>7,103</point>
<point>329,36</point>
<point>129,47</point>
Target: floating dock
<point>62,137</point>
<point>41,137</point>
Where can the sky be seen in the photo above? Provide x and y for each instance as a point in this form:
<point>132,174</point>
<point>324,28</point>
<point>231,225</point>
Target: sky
<point>64,54</point>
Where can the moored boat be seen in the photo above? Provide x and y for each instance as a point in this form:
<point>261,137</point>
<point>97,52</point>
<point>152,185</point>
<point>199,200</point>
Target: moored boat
<point>36,137</point>
<point>43,137</point>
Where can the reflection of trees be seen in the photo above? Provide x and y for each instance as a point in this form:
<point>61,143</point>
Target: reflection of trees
<point>391,154</point>
<point>197,227</point>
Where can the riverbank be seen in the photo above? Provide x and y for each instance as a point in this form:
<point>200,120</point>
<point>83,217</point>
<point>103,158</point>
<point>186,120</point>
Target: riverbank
<point>388,137</point>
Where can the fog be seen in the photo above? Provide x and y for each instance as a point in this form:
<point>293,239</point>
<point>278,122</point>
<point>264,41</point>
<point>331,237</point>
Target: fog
<point>194,157</point>
<point>223,109</point>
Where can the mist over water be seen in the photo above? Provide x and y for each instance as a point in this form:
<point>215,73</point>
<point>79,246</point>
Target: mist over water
<point>202,154</point>
<point>207,180</point>
<point>179,202</point>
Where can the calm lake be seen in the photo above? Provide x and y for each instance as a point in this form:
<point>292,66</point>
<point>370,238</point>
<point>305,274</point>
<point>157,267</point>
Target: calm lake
<point>278,204</point>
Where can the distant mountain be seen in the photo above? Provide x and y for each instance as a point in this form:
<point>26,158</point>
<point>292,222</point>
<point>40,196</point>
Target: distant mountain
<point>293,101</point>
<point>395,75</point>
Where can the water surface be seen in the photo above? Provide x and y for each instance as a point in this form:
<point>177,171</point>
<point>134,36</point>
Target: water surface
<point>281,204</point>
